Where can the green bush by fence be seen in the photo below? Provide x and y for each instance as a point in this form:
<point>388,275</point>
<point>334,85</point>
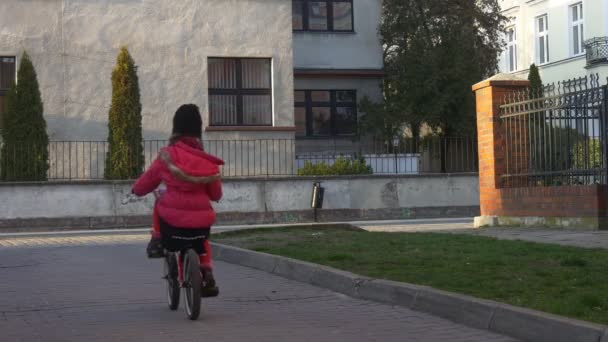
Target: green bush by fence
<point>587,154</point>
<point>341,166</point>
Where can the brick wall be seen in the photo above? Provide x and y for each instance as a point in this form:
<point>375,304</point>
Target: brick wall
<point>554,201</point>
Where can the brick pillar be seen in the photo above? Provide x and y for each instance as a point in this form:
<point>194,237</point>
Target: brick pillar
<point>490,95</point>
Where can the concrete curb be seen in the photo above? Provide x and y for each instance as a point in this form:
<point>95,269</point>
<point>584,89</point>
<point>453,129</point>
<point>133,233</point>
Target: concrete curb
<point>520,323</point>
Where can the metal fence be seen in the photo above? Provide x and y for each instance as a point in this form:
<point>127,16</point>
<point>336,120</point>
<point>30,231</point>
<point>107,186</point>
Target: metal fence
<point>86,160</point>
<point>556,135</point>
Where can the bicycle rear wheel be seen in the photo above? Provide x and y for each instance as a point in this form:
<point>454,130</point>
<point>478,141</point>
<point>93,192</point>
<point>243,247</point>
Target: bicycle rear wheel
<point>170,274</point>
<point>192,284</point>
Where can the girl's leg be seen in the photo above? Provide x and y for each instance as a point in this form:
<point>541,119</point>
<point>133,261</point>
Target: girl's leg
<point>180,268</point>
<point>154,248</point>
<point>155,223</point>
<point>205,259</point>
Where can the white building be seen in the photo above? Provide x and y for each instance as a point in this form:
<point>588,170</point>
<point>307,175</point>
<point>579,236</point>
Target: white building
<point>565,38</point>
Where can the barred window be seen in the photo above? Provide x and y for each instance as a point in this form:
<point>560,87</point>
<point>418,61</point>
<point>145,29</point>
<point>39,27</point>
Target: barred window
<point>240,92</point>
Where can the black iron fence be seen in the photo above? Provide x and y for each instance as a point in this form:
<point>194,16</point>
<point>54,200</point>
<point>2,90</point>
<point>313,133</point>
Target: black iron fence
<point>556,135</point>
<point>86,160</point>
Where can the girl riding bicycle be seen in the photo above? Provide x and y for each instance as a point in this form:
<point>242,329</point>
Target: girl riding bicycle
<point>183,212</point>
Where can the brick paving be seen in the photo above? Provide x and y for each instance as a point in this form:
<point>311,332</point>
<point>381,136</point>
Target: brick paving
<point>101,288</point>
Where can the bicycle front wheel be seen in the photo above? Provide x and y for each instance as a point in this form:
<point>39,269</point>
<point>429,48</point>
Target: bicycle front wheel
<point>192,284</point>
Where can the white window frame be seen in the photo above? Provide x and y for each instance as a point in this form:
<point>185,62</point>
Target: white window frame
<point>542,32</point>
<point>579,24</point>
<point>511,64</point>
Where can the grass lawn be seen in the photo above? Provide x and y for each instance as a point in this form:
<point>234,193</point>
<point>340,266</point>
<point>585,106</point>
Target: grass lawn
<point>567,281</point>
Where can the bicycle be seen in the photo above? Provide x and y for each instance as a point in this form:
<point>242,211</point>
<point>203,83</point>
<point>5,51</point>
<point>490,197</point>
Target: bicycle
<point>181,270</point>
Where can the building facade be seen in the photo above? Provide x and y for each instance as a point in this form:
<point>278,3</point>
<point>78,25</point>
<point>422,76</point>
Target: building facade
<point>565,38</point>
<point>232,58</point>
<point>337,61</point>
<point>239,60</point>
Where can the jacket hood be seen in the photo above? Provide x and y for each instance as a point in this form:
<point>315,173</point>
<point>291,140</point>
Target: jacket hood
<point>188,155</point>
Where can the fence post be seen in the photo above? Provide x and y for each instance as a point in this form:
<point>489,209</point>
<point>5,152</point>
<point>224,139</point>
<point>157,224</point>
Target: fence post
<point>490,95</point>
<point>603,133</point>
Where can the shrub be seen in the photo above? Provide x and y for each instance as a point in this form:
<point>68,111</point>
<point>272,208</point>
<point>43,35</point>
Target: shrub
<point>587,154</point>
<point>341,166</point>
<point>24,155</point>
<point>125,157</point>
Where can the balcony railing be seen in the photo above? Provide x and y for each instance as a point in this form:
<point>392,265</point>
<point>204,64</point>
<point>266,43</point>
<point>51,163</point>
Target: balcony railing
<point>597,50</point>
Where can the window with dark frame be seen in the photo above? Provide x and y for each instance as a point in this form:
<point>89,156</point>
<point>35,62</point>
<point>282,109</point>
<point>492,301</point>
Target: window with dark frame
<point>240,91</point>
<point>325,113</point>
<point>323,15</point>
<point>7,79</point>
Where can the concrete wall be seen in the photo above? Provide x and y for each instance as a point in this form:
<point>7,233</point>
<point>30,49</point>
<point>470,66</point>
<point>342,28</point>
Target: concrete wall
<point>97,204</point>
<point>74,44</point>
<point>562,63</point>
<point>360,49</point>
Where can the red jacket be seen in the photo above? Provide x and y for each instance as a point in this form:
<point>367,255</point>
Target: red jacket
<point>184,204</point>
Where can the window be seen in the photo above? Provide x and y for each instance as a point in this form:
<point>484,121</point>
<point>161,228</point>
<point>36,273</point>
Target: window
<point>511,49</point>
<point>325,113</point>
<point>576,33</point>
<point>542,39</point>
<point>327,15</point>
<point>240,92</point>
<point>7,78</point>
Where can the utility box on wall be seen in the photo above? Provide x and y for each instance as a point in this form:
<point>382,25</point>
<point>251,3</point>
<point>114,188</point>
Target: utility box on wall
<point>317,196</point>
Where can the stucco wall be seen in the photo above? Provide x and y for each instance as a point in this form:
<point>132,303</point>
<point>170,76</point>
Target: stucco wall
<point>74,44</point>
<point>358,50</point>
<point>399,196</point>
<point>562,64</point>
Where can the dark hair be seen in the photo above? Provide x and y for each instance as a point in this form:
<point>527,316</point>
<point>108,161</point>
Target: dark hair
<point>187,122</point>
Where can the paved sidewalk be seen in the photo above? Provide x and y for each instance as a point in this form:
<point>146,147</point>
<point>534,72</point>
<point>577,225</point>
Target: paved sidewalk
<point>101,288</point>
<point>578,238</point>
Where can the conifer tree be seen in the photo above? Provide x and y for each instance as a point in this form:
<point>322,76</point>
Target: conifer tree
<point>24,154</point>
<point>125,159</point>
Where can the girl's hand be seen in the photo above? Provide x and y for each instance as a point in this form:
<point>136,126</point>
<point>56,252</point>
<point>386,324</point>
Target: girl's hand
<point>129,198</point>
<point>158,193</point>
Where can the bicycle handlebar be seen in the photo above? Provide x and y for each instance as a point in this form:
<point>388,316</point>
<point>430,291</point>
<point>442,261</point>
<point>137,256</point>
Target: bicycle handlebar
<point>131,198</point>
